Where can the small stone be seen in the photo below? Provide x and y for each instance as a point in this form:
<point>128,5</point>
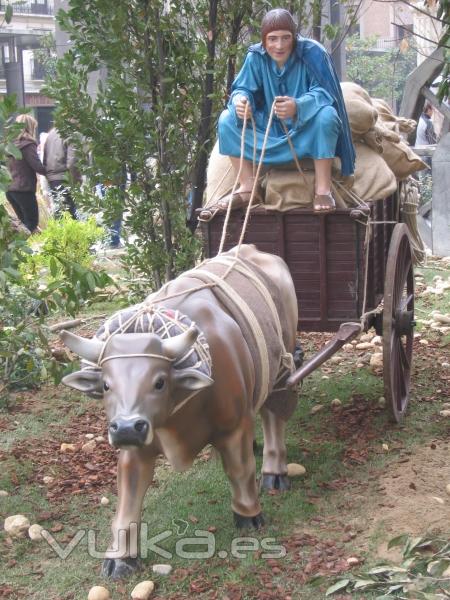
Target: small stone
<point>352,561</point>
<point>35,532</point>
<point>336,359</point>
<point>16,525</point>
<point>162,569</point>
<point>347,347</point>
<point>376,361</point>
<point>98,593</point>
<point>295,470</point>
<point>143,590</point>
<point>89,447</point>
<point>385,447</point>
<point>89,436</point>
<point>377,340</point>
<point>363,346</point>
<point>3,493</point>
<point>447,488</point>
<point>424,342</point>
<point>104,501</point>
<point>325,377</point>
<point>381,401</point>
<point>315,409</point>
<point>438,499</point>
<point>67,448</point>
<point>359,365</point>
<point>336,403</point>
<point>99,439</point>
<point>48,479</point>
<point>445,413</point>
<point>366,337</point>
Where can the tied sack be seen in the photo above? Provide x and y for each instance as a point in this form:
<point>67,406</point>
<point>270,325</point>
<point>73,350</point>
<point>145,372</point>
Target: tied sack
<point>287,189</point>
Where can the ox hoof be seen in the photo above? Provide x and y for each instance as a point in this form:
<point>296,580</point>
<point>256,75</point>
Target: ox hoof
<point>242,522</point>
<point>275,482</point>
<point>119,568</point>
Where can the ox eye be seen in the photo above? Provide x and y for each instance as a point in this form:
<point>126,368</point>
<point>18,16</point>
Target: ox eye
<point>105,386</point>
<point>160,383</point>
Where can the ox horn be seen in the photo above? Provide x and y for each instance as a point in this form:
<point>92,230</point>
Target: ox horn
<point>88,349</point>
<point>176,346</point>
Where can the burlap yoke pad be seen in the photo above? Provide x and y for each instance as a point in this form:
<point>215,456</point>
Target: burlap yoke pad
<point>245,292</point>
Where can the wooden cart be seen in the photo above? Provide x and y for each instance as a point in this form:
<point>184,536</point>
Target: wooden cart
<point>341,282</point>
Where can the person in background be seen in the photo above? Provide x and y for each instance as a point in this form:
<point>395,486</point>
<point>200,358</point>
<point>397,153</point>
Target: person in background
<point>425,135</point>
<point>21,192</point>
<point>297,74</point>
<point>60,162</point>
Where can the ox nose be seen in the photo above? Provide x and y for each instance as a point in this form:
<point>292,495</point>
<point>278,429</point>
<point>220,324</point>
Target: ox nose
<point>128,432</point>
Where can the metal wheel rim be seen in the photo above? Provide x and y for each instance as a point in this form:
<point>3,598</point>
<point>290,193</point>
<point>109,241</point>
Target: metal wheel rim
<point>398,317</point>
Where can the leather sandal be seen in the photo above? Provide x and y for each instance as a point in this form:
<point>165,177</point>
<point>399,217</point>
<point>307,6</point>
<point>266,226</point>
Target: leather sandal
<point>324,203</point>
<point>238,200</point>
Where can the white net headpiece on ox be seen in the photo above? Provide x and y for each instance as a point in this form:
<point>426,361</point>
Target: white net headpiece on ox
<point>165,323</point>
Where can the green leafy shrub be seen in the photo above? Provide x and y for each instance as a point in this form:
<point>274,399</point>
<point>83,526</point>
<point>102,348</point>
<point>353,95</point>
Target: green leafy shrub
<point>64,239</point>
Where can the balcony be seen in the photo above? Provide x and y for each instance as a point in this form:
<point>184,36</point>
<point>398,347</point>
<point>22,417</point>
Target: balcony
<point>42,7</point>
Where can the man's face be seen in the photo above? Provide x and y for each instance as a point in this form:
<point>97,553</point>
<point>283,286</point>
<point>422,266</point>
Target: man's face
<point>279,45</point>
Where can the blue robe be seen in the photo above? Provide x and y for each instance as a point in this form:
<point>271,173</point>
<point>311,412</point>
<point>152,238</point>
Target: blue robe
<point>320,128</point>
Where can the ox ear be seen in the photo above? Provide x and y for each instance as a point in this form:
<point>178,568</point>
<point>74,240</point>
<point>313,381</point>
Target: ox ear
<point>191,379</point>
<point>87,381</point>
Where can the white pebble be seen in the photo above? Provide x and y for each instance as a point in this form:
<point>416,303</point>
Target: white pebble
<point>359,365</point>
<point>424,342</point>
<point>325,377</point>
<point>98,593</point>
<point>162,569</point>
<point>48,479</point>
<point>347,347</point>
<point>444,413</point>
<point>381,401</point>
<point>89,436</point>
<point>377,340</point>
<point>352,561</point>
<point>143,590</point>
<point>3,493</point>
<point>336,402</point>
<point>16,525</point>
<point>99,439</point>
<point>104,501</point>
<point>316,409</point>
<point>376,361</point>
<point>385,447</point>
<point>35,532</point>
<point>295,470</point>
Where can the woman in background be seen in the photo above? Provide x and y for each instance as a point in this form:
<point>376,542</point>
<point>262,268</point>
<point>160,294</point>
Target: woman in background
<point>21,192</point>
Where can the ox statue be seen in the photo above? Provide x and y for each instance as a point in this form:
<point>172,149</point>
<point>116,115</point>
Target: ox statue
<point>191,366</point>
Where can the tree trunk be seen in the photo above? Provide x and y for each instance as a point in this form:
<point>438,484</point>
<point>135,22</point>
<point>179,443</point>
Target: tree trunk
<point>204,129</point>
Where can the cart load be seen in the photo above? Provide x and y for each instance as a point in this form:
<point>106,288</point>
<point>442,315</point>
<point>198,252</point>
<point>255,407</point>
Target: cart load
<point>383,158</point>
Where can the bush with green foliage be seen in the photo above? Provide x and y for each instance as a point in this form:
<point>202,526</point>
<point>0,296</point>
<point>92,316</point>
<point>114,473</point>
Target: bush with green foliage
<point>64,239</point>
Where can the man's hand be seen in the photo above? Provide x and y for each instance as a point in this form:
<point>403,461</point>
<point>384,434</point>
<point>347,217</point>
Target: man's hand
<point>285,107</point>
<point>241,102</point>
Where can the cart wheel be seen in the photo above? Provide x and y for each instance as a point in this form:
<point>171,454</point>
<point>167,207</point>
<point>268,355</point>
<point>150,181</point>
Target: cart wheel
<point>398,322</point>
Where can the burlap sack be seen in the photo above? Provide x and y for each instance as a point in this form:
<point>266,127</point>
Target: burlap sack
<point>287,189</point>
<point>219,177</point>
<point>361,115</point>
<point>352,90</point>
<point>401,159</point>
<point>373,178</point>
<point>391,121</point>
